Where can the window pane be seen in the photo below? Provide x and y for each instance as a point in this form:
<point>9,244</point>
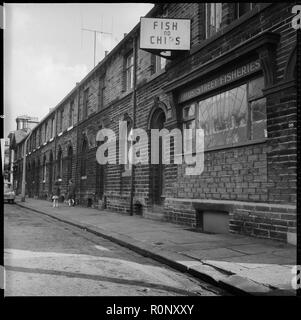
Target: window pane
<point>214,18</point>
<point>255,88</point>
<point>258,116</point>
<point>162,62</point>
<point>190,137</point>
<point>224,117</point>
<point>189,111</point>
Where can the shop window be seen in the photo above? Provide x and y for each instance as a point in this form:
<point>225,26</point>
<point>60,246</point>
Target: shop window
<point>213,18</point>
<point>230,117</point>
<point>129,71</point>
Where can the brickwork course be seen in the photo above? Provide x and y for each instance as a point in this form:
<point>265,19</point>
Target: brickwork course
<point>249,181</point>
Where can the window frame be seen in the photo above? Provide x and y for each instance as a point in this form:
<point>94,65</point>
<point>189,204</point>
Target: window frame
<point>46,127</point>
<point>249,101</point>
<point>208,19</point>
<point>52,127</point>
<point>237,8</point>
<point>158,64</point>
<point>129,71</point>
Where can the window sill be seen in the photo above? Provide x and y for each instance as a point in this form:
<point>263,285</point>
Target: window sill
<point>83,178</point>
<point>51,139</point>
<point>60,134</point>
<point>71,127</point>
<point>44,144</point>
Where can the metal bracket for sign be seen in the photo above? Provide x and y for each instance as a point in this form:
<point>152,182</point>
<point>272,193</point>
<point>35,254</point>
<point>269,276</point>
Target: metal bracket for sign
<point>170,54</point>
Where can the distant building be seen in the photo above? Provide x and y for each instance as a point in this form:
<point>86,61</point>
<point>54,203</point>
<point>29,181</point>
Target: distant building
<point>24,125</point>
<point>24,122</point>
<point>6,162</point>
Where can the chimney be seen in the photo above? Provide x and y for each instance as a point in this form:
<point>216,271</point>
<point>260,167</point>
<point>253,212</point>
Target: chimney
<point>106,53</point>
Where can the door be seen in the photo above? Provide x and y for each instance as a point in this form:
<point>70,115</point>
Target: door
<point>157,170</point>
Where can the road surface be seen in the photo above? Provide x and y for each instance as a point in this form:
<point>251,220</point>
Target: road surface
<point>45,257</point>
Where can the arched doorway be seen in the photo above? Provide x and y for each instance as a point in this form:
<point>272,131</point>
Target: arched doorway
<point>157,170</point>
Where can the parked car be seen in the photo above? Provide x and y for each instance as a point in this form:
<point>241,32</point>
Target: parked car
<point>9,194</point>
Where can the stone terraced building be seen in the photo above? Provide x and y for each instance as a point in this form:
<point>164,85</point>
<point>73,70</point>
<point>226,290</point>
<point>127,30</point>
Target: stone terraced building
<point>237,82</point>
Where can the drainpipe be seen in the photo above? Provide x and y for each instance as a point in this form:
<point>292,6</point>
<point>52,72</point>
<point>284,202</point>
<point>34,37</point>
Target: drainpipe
<point>24,168</point>
<point>134,121</point>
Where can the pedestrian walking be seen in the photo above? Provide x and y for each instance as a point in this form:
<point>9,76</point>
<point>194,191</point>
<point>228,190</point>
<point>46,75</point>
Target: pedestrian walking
<point>71,193</point>
<point>56,195</point>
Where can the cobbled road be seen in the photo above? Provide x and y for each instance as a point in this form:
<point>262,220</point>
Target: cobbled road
<point>44,257</point>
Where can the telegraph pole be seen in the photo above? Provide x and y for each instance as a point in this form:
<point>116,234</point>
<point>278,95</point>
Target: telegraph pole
<point>95,32</point>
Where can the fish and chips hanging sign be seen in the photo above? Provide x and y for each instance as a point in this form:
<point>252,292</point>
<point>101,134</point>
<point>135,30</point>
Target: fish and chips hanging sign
<point>164,34</point>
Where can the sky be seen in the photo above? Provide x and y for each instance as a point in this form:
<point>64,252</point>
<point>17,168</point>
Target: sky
<point>46,53</point>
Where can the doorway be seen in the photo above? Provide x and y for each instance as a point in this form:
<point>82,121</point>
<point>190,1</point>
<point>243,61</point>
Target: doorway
<point>157,182</point>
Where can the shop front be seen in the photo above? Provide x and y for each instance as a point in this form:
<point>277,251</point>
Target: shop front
<point>228,98</point>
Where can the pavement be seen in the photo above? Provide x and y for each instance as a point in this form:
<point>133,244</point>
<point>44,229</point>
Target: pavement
<point>45,257</point>
<point>240,264</point>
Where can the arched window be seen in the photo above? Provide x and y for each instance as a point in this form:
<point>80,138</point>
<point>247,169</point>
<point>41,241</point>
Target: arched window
<point>83,169</point>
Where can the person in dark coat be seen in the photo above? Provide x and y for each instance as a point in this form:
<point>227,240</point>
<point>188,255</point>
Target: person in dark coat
<point>71,193</point>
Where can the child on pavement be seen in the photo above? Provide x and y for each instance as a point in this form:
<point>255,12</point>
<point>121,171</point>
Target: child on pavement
<point>56,195</point>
